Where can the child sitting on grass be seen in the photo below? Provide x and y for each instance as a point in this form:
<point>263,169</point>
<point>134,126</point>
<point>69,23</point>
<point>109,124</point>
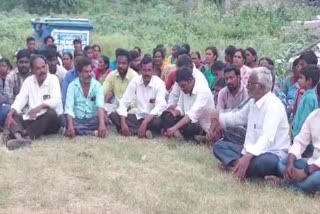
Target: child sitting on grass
<point>308,80</point>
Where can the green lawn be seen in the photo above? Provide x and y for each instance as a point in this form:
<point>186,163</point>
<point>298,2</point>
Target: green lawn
<point>127,175</point>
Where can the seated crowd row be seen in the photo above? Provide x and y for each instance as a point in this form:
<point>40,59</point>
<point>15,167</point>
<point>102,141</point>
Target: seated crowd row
<point>259,126</point>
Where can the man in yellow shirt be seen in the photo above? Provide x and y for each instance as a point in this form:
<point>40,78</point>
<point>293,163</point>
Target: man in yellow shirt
<point>117,81</point>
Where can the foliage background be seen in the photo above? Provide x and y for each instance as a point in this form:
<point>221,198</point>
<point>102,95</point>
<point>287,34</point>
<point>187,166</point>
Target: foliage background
<point>146,23</point>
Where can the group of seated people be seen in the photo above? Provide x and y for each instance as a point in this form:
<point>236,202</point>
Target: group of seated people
<point>257,125</point>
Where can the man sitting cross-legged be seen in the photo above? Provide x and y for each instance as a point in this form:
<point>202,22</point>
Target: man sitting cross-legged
<point>195,104</point>
<point>84,103</point>
<point>149,91</point>
<point>296,172</point>
<point>41,94</point>
<point>267,137</point>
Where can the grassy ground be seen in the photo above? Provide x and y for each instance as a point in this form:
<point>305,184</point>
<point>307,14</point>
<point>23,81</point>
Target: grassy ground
<point>127,175</point>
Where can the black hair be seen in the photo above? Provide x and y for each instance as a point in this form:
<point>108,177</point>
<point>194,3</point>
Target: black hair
<point>146,60</point>
<point>214,51</point>
<point>182,51</point>
<point>69,54</point>
<point>81,62</point>
<point>139,50</point>
<point>158,50</point>
<point>310,57</point>
<point>47,38</point>
<point>106,60</point>
<point>184,74</point>
<point>88,47</point>
<point>217,66</point>
<point>312,72</point>
<point>230,50</point>
<point>318,89</point>
<point>34,57</point>
<point>50,54</point>
<point>295,63</point>
<point>253,52</point>
<point>197,53</point>
<point>52,46</point>
<point>176,47</point>
<point>243,54</point>
<point>270,61</point>
<point>7,61</point>
<point>134,54</point>
<point>184,61</point>
<point>96,46</point>
<point>232,68</point>
<point>30,39</point>
<point>187,47</point>
<point>23,53</point>
<point>79,53</point>
<point>221,82</point>
<point>75,41</point>
<point>123,52</point>
<point>149,55</point>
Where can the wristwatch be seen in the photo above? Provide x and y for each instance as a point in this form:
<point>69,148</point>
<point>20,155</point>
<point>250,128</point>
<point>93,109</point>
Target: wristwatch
<point>307,170</point>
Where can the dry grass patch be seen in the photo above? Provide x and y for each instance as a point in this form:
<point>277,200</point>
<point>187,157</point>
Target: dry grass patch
<point>119,175</point>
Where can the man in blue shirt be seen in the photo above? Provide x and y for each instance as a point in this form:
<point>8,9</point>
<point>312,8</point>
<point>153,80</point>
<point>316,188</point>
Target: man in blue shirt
<point>84,103</point>
<point>70,76</point>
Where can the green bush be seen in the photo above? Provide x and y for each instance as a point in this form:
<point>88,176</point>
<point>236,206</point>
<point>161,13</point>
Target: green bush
<point>128,23</point>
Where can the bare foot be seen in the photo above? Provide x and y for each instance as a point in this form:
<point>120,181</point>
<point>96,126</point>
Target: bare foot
<point>273,179</point>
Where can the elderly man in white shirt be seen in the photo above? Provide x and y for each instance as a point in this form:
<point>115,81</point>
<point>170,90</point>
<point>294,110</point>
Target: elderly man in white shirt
<point>184,61</point>
<point>298,173</point>
<point>149,92</point>
<point>42,96</point>
<point>267,138</point>
<point>191,116</point>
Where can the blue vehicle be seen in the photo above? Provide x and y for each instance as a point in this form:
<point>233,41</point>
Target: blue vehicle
<point>63,30</point>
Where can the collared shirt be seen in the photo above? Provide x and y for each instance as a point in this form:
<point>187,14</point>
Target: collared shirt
<point>81,107</point>
<point>33,95</point>
<point>226,101</point>
<point>61,73</point>
<point>309,103</point>
<point>245,73</point>
<point>150,99</point>
<point>198,106</point>
<point>13,83</point>
<point>115,83</point>
<point>267,125</point>
<point>70,76</point>
<point>175,92</point>
<point>309,134</point>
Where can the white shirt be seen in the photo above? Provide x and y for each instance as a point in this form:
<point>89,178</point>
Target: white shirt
<point>33,95</point>
<point>61,73</point>
<point>198,106</point>
<point>150,99</point>
<point>310,133</point>
<point>267,125</point>
<point>175,92</point>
